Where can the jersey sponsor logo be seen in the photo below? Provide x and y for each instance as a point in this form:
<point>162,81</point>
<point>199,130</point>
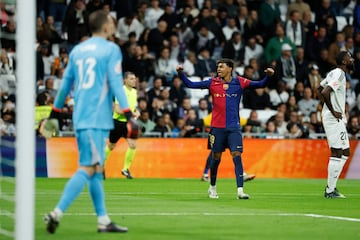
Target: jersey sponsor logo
<point>222,95</point>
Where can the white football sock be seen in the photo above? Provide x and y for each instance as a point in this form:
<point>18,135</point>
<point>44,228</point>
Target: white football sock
<point>104,220</point>
<point>240,190</point>
<point>57,213</point>
<point>334,169</point>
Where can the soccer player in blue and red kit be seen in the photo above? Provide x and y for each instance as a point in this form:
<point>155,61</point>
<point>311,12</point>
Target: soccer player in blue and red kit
<point>226,92</point>
<point>95,73</point>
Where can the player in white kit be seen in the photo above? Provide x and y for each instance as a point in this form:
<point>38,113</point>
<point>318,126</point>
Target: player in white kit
<point>334,120</point>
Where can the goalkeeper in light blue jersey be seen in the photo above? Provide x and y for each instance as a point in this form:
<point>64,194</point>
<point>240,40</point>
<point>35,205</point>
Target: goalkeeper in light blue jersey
<point>94,72</point>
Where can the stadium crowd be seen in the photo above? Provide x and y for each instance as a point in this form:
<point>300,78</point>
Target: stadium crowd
<point>299,39</point>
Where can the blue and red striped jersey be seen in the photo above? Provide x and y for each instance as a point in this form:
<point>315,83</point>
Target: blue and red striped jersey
<point>226,97</point>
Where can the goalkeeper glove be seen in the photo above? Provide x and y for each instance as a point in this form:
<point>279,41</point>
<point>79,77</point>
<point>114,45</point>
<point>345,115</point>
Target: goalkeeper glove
<point>50,127</point>
<point>132,126</point>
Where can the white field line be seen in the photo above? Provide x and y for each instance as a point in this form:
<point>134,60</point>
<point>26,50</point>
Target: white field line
<point>310,215</point>
<point>119,193</point>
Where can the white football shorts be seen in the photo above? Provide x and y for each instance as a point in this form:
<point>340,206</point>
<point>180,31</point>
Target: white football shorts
<point>335,131</point>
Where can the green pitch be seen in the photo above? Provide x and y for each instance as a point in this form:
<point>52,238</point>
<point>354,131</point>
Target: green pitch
<point>180,209</point>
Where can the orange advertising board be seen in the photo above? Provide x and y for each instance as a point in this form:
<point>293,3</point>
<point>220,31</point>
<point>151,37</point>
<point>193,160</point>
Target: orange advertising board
<point>186,157</point>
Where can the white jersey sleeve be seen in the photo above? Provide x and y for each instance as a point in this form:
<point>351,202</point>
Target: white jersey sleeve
<point>336,80</point>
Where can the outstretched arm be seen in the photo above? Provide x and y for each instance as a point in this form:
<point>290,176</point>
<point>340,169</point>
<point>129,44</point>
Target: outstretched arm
<point>188,83</point>
<point>262,83</point>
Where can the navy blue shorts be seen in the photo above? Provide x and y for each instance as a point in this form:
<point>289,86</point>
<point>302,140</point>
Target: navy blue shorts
<point>222,138</point>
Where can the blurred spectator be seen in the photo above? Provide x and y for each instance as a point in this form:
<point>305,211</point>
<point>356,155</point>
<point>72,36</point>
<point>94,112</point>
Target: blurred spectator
<point>335,47</point>
<point>185,17</point>
<point>206,66</point>
<point>299,91</point>
<point>278,95</point>
<point>280,123</point>
<point>291,106</point>
<point>302,65</point>
<point>60,62</point>
<point>142,104</point>
<point>7,38</point>
<point>177,91</point>
<point>141,10</point>
<point>294,29</point>
<point>309,25</point>
<point>230,7</point>
<point>253,50</point>
<point>269,17</point>
<point>273,47</point>
<point>49,88</point>
<point>42,108</point>
<point>189,64</point>
<point>211,22</point>
<point>165,67</point>
<point>193,124</point>
<point>185,34</point>
<point>314,124</point>
<point>168,121</point>
<point>241,18</point>
<point>94,5</point>
<point>157,38</point>
<point>300,6</point>
<point>145,123</point>
<point>323,11</point>
<point>169,105</point>
<point>203,109</point>
<point>324,62</point>
<point>353,127</point>
<point>308,104</point>
<point>179,130</point>
<point>176,52</point>
<point>349,45</point>
<point>235,49</point>
<point>286,68</point>
<point>170,17</point>
<point>183,109</point>
<point>350,96</point>
<point>152,14</point>
<point>156,89</point>
<point>316,43</point>
<point>47,57</point>
<point>126,25</point>
<point>204,38</point>
<point>257,74</point>
<point>6,66</point>
<point>160,126</point>
<point>356,21</point>
<point>48,32</point>
<point>257,99</point>
<point>5,14</point>
<point>313,80</point>
<point>252,27</point>
<point>157,108</point>
<point>230,28</point>
<point>331,27</point>
<point>271,131</point>
<point>254,122</point>
<point>75,24</point>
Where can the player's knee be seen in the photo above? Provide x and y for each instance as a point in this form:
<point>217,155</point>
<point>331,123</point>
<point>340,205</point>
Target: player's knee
<point>235,154</point>
<point>335,152</point>
<point>346,152</point>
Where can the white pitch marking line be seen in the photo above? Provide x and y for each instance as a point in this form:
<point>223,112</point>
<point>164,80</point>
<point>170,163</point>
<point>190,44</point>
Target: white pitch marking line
<point>311,215</point>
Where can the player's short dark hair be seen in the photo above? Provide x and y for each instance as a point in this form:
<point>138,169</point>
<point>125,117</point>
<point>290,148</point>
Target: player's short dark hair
<point>96,20</point>
<point>340,57</point>
<point>227,61</point>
